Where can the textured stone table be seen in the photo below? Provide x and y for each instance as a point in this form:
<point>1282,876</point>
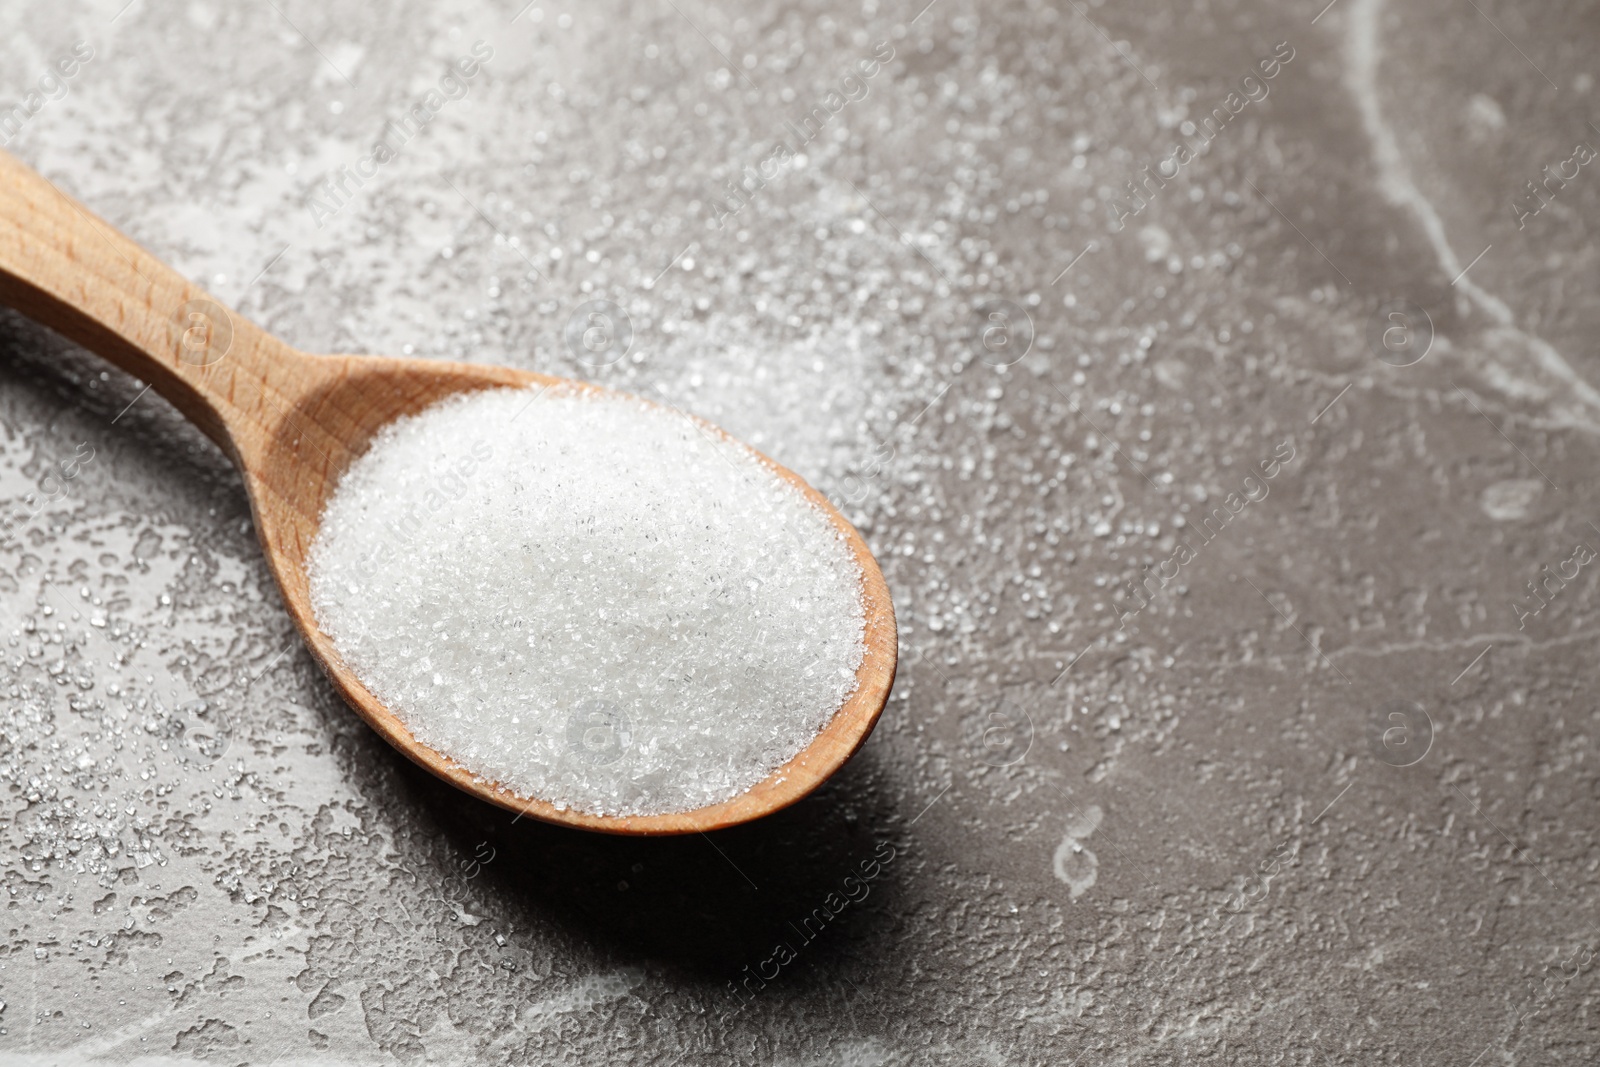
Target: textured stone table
<point>1321,791</point>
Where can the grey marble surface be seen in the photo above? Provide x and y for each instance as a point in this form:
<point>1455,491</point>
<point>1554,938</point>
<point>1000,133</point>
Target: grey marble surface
<point>1328,797</point>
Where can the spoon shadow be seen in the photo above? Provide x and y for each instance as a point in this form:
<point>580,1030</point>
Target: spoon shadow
<point>69,396</point>
<point>810,877</point>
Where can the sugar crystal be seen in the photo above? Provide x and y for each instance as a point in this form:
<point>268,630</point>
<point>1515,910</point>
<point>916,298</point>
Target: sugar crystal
<point>588,599</point>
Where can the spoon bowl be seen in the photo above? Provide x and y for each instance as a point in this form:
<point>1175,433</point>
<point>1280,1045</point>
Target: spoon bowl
<point>293,422</point>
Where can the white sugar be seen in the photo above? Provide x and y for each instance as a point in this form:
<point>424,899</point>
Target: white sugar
<point>589,600</point>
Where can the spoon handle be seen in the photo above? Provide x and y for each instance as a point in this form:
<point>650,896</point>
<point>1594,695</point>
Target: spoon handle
<point>70,271</point>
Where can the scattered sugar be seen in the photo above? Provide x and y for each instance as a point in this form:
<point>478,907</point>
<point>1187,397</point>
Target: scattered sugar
<point>590,600</point>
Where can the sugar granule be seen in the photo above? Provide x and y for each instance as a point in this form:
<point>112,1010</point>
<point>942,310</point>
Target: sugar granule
<point>588,599</point>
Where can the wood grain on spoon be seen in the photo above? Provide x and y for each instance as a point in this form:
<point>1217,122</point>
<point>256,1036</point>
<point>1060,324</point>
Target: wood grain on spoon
<point>292,422</point>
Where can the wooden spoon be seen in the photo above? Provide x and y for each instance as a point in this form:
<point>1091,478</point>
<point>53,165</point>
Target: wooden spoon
<point>292,422</point>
